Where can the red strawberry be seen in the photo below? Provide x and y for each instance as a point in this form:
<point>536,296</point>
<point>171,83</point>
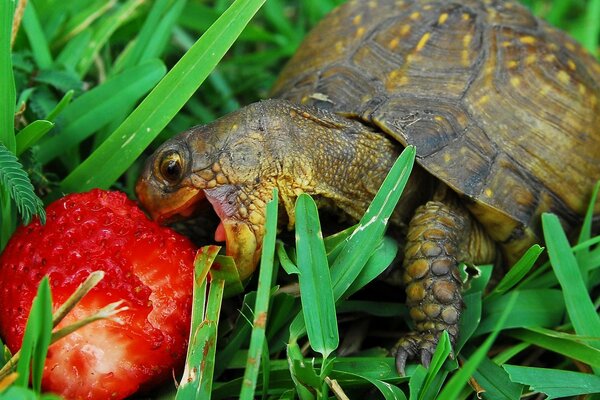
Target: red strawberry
<point>149,266</point>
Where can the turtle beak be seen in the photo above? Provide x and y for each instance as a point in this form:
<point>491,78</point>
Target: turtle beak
<point>243,239</point>
<point>164,207</point>
<point>242,244</point>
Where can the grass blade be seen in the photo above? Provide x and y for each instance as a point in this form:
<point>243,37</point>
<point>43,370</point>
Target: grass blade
<point>360,244</point>
<point>568,348</point>
<point>555,383</point>
<point>96,108</point>
<point>315,281</point>
<point>36,338</point>
<point>200,338</point>
<point>125,144</point>
<point>519,270</point>
<point>579,305</point>
<point>106,27</point>
<point>495,382</point>
<point>460,379</point>
<point>30,135</point>
<point>65,101</point>
<point>37,38</point>
<point>261,308</point>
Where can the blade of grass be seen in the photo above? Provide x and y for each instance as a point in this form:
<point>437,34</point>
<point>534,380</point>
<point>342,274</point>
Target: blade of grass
<point>83,18</point>
<point>261,307</point>
<point>495,382</point>
<point>200,338</point>
<point>568,348</point>
<point>384,254</point>
<point>8,98</point>
<point>442,351</point>
<point>37,38</point>
<point>360,244</point>
<point>579,305</point>
<point>96,108</point>
<point>586,233</point>
<point>36,338</point>
<point>519,270</point>
<point>64,102</point>
<point>592,27</point>
<point>555,383</point>
<point>125,144</point>
<point>102,33</point>
<point>315,281</point>
<point>33,132</point>
<point>459,380</point>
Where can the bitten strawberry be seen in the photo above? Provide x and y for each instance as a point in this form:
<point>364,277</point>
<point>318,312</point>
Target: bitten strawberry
<point>148,266</point>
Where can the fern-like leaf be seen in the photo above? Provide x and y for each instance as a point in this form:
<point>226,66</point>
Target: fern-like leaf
<point>16,181</point>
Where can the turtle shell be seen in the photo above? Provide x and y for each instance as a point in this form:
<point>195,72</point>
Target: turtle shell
<point>501,107</point>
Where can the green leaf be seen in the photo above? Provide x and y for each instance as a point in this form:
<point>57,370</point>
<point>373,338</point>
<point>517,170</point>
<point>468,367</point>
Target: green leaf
<point>460,379</point>
<point>33,132</point>
<point>383,256</point>
<point>315,281</point>
<point>37,38</point>
<point>261,307</point>
<point>8,99</point>
<point>36,338</point>
<point>554,383</point>
<point>60,106</point>
<point>579,305</point>
<point>388,391</point>
<point>519,270</point>
<point>533,310</point>
<point>104,30</point>
<point>125,144</point>
<point>199,366</point>
<point>495,382</point>
<point>16,181</point>
<point>442,351</point>
<point>360,245</point>
<point>96,108</point>
<point>568,347</point>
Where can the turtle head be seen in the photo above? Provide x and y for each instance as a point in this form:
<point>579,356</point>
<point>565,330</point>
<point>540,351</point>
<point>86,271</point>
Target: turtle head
<point>224,163</point>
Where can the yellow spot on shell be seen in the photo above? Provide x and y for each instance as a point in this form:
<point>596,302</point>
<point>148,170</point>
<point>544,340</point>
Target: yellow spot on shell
<point>506,43</point>
<point>553,46</point>
<point>488,192</point>
<point>443,18</point>
<point>304,100</point>
<point>467,40</point>
<point>531,59</point>
<point>483,99</point>
<point>466,16</point>
<point>593,100</point>
<point>550,58</point>
<point>393,75</point>
<point>415,16</point>
<point>403,80</point>
<point>571,65</point>
<point>447,158</point>
<point>512,64</point>
<point>582,89</point>
<point>515,81</point>
<point>438,118</point>
<point>339,46</point>
<point>393,43</point>
<point>423,41</point>
<point>357,19</point>
<point>570,46</point>
<point>528,40</point>
<point>563,76</point>
<point>404,30</point>
<point>360,32</point>
<point>545,89</point>
<point>428,7</point>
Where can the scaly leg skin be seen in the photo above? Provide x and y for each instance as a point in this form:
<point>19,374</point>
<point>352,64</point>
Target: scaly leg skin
<point>441,234</point>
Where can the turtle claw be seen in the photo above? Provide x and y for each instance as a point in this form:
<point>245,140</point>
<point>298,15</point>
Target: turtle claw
<point>412,345</point>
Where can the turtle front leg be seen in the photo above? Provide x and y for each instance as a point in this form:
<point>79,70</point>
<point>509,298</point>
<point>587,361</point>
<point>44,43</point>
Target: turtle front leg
<point>441,234</point>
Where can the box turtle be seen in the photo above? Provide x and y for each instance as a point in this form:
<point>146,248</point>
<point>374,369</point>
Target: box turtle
<point>502,108</point>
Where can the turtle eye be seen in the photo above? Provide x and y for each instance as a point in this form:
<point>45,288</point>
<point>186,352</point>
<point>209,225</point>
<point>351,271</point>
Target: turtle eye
<point>170,167</point>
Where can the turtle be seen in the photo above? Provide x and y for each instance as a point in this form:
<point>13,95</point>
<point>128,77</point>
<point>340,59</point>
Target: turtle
<point>502,108</point>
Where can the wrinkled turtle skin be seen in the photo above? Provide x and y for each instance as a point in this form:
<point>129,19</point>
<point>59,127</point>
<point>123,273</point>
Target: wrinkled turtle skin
<point>503,109</point>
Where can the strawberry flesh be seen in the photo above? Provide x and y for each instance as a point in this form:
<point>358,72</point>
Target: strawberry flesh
<point>148,266</point>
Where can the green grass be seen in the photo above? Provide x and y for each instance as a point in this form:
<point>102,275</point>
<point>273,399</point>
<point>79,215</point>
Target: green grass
<point>96,85</point>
